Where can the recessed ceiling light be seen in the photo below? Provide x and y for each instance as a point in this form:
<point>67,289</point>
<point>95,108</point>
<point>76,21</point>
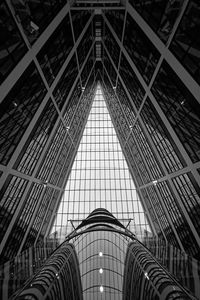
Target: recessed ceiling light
<point>101,289</point>
<point>100,270</point>
<point>100,254</point>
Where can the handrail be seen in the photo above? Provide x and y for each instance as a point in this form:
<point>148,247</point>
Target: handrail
<point>130,235</point>
<point>18,271</point>
<point>141,249</point>
<point>60,274</point>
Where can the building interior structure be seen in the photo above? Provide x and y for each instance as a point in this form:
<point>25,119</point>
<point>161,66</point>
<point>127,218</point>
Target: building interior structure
<point>100,109</point>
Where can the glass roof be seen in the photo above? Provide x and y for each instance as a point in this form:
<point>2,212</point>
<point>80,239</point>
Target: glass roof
<point>100,178</point>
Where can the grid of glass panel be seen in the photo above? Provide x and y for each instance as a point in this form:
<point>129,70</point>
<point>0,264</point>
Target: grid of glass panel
<point>186,43</point>
<point>131,81</point>
<point>160,15</point>
<point>12,48</point>
<point>55,51</point>
<point>100,177</point>
<point>31,153</point>
<point>34,16</point>
<point>18,109</point>
<point>140,49</point>
<point>111,45</point>
<point>116,19</point>
<point>180,108</point>
<point>10,195</point>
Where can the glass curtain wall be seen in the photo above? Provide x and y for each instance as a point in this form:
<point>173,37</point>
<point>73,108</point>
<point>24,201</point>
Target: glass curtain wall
<point>100,178</point>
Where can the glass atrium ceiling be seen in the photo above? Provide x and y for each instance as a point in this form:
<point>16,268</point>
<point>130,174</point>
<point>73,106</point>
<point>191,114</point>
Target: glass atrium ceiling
<point>100,178</point>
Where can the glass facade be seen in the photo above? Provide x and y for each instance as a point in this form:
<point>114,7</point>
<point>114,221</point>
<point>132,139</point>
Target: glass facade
<point>65,83</point>
<point>144,55</point>
<point>177,217</point>
<point>34,16</point>
<point>180,108</point>
<point>37,140</point>
<point>161,16</point>
<point>11,194</point>
<point>18,109</point>
<point>111,46</point>
<point>100,177</point>
<point>140,49</point>
<point>85,46</point>
<point>147,151</point>
<point>43,206</point>
<point>53,54</point>
<point>133,85</point>
<point>23,220</point>
<point>12,46</point>
<point>79,20</point>
<point>161,138</point>
<point>186,43</point>
<point>116,19</point>
<point>108,65</point>
<point>189,193</point>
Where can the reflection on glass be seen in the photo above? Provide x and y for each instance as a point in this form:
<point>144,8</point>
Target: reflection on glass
<point>14,186</point>
<point>79,20</point>
<point>55,51</point>
<point>147,151</point>
<point>131,81</point>
<point>111,45</point>
<point>84,46</point>
<point>35,15</point>
<point>160,15</point>
<point>186,43</point>
<point>116,19</point>
<point>109,67</point>
<point>172,205</point>
<point>65,83</point>
<point>125,103</point>
<point>87,69</point>
<point>12,48</point>
<point>36,142</point>
<point>140,49</point>
<point>161,138</point>
<point>189,193</point>
<point>18,109</point>
<point>180,108</point>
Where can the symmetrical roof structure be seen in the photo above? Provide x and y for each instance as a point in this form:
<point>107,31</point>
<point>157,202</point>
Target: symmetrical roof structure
<point>100,178</point>
<point>145,56</point>
<point>58,60</point>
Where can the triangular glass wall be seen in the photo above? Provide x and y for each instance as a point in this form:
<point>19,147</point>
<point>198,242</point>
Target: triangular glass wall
<point>99,178</point>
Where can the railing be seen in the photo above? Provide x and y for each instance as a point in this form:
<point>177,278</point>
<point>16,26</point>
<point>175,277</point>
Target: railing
<point>14,273</point>
<point>184,267</point>
<point>146,279</point>
<point>58,279</point>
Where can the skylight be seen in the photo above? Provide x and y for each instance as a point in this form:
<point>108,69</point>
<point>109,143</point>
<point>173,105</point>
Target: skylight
<point>99,177</point>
